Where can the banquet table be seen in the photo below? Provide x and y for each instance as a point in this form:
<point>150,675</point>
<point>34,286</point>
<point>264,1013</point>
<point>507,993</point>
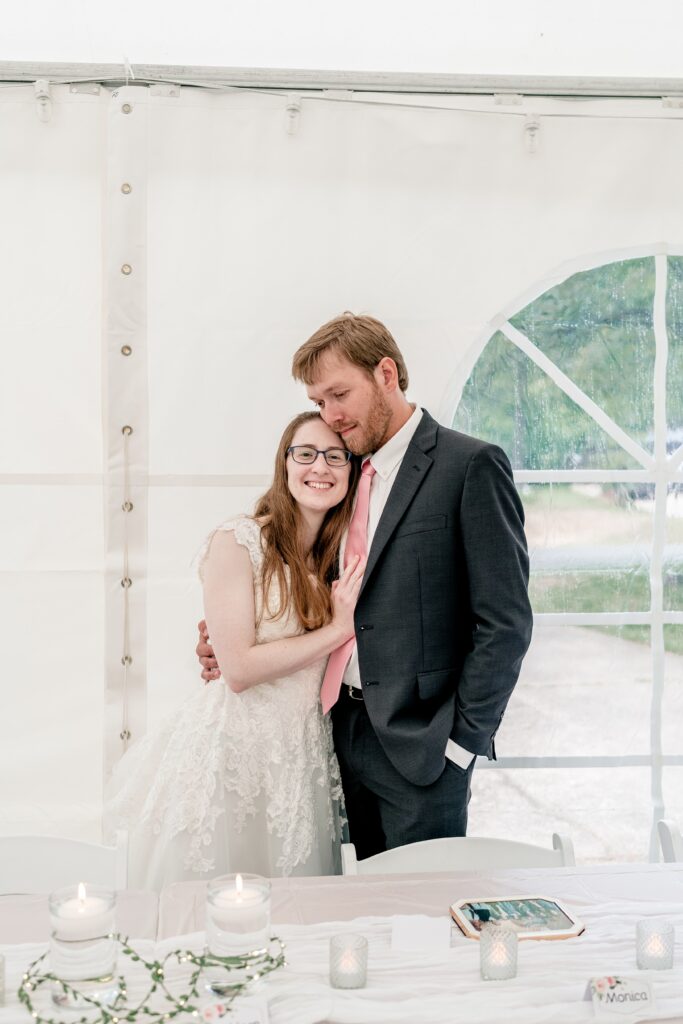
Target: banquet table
<point>442,985</point>
<point>24,918</point>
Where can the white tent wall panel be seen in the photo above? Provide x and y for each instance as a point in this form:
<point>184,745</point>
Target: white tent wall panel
<point>51,723</point>
<point>52,528</point>
<point>435,220</point>
<point>51,594</point>
<point>50,267</point>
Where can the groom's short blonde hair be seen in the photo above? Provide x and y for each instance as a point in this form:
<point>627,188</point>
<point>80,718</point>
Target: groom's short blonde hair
<point>362,340</point>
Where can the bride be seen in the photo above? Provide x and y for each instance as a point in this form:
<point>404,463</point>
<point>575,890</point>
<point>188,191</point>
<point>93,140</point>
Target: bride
<point>243,776</point>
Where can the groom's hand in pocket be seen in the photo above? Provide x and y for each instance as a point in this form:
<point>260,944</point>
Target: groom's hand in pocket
<point>205,654</point>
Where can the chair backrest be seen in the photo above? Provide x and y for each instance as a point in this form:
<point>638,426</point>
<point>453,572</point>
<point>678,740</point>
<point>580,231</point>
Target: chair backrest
<point>35,864</point>
<point>670,840</point>
<point>460,854</point>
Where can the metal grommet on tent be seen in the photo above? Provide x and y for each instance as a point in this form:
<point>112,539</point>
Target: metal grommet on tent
<point>126,269</point>
<point>127,108</point>
<point>126,188</point>
<point>127,506</point>
<point>127,430</point>
<point>126,350</point>
<point>126,660</point>
<point>126,582</point>
<point>124,735</point>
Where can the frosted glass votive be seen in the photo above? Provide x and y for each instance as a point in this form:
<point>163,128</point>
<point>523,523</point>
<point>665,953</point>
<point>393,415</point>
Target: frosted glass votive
<point>498,952</point>
<point>348,961</point>
<point>654,945</point>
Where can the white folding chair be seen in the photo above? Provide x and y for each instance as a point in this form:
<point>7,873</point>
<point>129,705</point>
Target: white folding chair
<point>670,840</point>
<point>34,864</point>
<point>459,854</point>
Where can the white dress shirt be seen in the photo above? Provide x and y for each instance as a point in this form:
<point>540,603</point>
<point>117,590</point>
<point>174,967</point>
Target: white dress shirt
<point>386,461</point>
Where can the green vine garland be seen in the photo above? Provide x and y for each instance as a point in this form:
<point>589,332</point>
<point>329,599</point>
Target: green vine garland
<point>258,965</point>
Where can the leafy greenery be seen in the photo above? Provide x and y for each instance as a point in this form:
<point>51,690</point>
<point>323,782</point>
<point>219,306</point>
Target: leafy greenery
<point>250,967</point>
<point>598,328</point>
<point>674,318</point>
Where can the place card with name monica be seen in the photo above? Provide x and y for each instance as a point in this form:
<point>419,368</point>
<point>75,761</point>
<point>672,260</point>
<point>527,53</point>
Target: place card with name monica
<point>619,996</point>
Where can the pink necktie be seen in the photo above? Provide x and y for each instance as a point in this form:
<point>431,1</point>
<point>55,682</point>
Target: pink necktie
<point>356,544</point>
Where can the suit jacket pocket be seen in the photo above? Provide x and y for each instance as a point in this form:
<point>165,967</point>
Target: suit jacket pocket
<point>436,684</point>
<point>421,525</point>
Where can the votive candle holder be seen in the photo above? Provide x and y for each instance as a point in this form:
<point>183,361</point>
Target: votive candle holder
<point>83,950</point>
<point>498,952</point>
<point>348,961</point>
<point>654,945</point>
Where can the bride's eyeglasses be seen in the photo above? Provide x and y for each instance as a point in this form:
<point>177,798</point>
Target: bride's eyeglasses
<point>306,455</point>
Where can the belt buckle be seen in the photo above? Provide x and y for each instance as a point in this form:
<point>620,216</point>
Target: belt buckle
<point>352,694</point>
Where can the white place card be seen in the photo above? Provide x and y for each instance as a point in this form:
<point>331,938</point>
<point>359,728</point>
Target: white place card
<point>619,996</point>
<point>245,1010</point>
<point>411,932</point>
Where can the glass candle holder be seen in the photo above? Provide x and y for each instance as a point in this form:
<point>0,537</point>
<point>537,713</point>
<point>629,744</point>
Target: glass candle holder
<point>237,925</point>
<point>498,952</point>
<point>654,945</point>
<point>348,961</point>
<point>238,915</point>
<point>82,947</point>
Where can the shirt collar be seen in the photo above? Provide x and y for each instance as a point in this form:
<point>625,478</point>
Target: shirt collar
<point>386,459</point>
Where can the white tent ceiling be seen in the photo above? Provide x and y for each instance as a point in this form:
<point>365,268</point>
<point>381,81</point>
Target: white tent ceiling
<point>529,37</point>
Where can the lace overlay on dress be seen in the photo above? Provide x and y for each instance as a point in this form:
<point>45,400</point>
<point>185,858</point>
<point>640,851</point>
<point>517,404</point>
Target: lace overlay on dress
<point>264,751</point>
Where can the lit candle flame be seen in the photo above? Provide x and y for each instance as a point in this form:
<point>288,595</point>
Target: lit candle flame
<point>239,886</point>
<point>81,896</point>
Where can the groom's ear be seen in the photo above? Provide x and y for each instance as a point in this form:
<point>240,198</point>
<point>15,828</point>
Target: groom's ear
<point>386,374</point>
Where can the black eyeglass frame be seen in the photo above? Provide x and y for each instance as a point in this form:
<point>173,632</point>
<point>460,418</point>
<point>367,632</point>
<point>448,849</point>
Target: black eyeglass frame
<point>318,451</point>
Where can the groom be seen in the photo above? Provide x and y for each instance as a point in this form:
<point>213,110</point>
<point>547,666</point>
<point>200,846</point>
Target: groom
<point>443,618</point>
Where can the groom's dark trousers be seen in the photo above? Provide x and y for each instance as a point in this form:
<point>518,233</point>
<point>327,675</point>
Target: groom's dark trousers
<point>442,624</point>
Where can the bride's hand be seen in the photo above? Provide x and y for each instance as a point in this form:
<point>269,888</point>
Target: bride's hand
<point>345,593</point>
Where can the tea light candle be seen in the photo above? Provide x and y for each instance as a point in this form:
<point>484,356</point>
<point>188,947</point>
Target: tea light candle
<point>498,952</point>
<point>76,914</point>
<point>238,914</point>
<point>654,945</point>
<point>348,961</point>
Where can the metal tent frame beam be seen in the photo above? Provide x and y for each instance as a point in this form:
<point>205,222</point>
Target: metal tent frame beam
<point>372,81</point>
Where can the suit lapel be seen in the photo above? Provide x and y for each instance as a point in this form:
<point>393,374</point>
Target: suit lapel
<point>414,467</point>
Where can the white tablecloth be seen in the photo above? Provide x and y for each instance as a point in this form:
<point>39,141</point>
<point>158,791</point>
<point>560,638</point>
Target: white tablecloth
<point>314,900</point>
<point>412,987</point>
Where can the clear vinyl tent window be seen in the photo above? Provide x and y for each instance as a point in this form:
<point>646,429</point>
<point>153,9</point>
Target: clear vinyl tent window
<point>583,388</point>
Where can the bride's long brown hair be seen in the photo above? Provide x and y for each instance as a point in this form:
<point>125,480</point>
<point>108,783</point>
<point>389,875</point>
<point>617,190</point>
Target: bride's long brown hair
<point>307,587</point>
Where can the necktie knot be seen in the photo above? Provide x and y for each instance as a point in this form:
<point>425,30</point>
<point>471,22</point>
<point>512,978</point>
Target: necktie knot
<point>368,469</point>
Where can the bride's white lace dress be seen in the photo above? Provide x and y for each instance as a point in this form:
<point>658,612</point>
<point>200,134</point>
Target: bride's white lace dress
<point>234,782</point>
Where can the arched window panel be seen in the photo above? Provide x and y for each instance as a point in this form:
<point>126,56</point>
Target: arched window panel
<point>512,401</point>
<point>673,551</point>
<point>673,791</point>
<point>597,327</point>
<point>583,388</point>
<point>672,705</point>
<point>581,691</point>
<point>607,811</point>
<point>674,323</point>
<point>589,546</point>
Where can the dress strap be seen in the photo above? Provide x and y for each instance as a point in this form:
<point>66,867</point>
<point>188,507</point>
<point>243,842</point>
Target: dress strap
<point>247,533</point>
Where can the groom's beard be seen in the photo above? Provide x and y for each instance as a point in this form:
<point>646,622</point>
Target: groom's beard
<point>366,439</point>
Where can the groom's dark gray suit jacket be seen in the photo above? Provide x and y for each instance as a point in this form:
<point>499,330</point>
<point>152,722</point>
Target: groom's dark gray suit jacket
<point>443,619</point>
